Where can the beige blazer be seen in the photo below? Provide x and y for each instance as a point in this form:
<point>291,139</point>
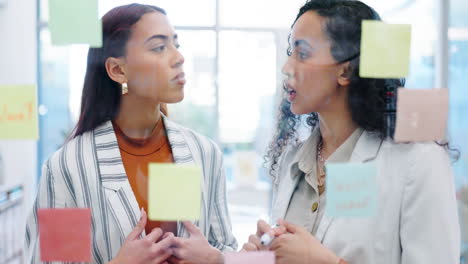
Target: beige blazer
<point>416,220</point>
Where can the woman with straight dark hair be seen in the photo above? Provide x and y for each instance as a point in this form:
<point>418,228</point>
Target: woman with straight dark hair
<point>351,120</point>
<point>104,166</point>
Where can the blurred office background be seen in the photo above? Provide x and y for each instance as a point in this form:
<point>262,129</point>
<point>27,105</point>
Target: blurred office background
<point>234,51</point>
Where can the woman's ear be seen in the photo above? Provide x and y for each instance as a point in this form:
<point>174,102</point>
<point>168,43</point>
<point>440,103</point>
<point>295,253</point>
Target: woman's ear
<point>115,69</point>
<point>344,77</point>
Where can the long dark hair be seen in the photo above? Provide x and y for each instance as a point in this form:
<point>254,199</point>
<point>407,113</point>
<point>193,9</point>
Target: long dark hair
<point>372,101</point>
<point>100,100</point>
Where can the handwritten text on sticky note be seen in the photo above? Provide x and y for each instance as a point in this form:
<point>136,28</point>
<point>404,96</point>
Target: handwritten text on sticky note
<point>18,112</point>
<point>351,189</point>
<point>421,115</point>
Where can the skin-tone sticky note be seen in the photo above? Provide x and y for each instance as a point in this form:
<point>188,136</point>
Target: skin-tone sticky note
<point>65,234</point>
<point>18,112</point>
<point>75,22</point>
<point>421,115</point>
<point>174,192</point>
<point>385,50</point>
<point>258,257</point>
<point>351,189</point>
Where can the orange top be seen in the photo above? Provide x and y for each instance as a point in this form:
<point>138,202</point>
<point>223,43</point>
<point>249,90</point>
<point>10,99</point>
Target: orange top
<point>136,155</point>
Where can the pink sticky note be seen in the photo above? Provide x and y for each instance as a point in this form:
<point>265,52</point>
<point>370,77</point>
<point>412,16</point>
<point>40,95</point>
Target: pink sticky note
<point>258,257</point>
<point>65,234</point>
<point>421,115</point>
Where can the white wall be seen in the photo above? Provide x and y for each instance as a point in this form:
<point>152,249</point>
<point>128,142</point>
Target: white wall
<point>18,64</point>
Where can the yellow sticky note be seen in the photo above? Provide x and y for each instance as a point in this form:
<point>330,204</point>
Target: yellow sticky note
<point>18,112</point>
<point>174,192</point>
<point>385,50</point>
<point>75,22</point>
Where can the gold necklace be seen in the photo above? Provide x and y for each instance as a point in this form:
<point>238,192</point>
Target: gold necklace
<point>321,164</point>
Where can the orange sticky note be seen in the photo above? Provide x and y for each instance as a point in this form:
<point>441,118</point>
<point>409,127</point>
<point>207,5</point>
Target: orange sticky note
<point>65,234</point>
<point>258,257</point>
<point>421,115</point>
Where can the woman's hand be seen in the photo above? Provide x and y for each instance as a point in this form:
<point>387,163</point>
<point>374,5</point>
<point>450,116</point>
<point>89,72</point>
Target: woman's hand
<point>194,250</point>
<point>147,249</point>
<point>254,240</point>
<point>298,246</point>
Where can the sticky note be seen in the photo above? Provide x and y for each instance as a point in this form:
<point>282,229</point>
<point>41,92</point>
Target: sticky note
<point>174,192</point>
<point>18,112</point>
<point>75,22</point>
<point>65,234</point>
<point>421,115</point>
<point>351,189</point>
<point>385,50</point>
<point>258,257</point>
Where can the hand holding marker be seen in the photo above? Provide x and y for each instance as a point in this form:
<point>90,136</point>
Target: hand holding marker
<point>266,238</point>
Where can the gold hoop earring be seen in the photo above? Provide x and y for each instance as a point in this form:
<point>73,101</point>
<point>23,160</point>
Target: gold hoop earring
<point>124,88</point>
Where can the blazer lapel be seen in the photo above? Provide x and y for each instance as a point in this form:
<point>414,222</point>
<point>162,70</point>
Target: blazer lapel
<point>366,150</point>
<point>290,177</point>
<point>121,200</point>
<point>120,197</point>
<point>183,151</point>
<point>285,191</point>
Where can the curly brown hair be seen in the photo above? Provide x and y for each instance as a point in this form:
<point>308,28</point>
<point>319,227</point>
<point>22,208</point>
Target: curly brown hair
<point>372,101</point>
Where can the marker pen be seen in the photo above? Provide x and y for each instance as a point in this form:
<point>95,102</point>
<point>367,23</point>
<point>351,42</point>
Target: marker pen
<point>266,239</point>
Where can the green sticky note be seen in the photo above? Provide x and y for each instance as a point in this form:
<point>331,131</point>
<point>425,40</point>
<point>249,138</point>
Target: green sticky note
<point>18,112</point>
<point>385,50</point>
<point>174,192</point>
<point>75,22</point>
<point>351,189</point>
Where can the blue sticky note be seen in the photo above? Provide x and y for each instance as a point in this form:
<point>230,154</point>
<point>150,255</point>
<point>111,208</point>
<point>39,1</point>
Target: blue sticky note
<point>351,189</point>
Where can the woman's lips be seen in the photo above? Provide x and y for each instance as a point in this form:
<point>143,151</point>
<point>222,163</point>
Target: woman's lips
<point>290,91</point>
<point>291,95</point>
<point>180,78</point>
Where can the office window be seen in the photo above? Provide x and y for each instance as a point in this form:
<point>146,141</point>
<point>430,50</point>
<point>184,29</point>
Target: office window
<point>259,13</point>
<point>458,70</point>
<point>198,108</point>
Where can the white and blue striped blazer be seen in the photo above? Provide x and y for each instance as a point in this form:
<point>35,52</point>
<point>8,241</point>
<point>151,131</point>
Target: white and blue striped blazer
<point>88,172</point>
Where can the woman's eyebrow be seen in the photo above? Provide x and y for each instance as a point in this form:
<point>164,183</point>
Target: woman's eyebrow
<point>161,36</point>
<point>301,42</point>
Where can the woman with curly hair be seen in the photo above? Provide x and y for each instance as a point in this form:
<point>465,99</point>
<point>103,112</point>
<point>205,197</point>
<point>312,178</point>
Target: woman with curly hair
<point>351,120</point>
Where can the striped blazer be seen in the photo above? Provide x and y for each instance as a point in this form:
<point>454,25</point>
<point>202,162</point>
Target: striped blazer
<point>88,172</point>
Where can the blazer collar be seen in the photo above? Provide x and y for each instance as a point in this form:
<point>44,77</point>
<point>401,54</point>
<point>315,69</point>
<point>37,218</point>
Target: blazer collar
<point>109,159</point>
<point>367,148</point>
